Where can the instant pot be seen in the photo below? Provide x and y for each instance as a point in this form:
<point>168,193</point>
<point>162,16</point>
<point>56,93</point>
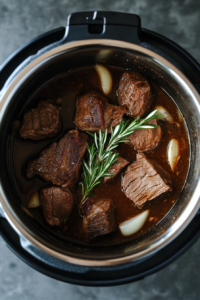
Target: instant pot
<point>114,39</point>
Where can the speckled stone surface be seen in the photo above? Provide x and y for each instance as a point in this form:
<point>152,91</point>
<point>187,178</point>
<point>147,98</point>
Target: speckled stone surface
<point>22,20</point>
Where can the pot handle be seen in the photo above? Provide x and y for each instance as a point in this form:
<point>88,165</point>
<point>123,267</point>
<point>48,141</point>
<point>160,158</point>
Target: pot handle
<point>92,25</point>
<point>103,25</point>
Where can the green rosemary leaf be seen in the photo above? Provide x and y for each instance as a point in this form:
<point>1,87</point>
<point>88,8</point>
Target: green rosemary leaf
<point>124,141</point>
<point>111,130</point>
<point>147,126</point>
<point>105,136</point>
<point>95,140</point>
<point>113,147</point>
<point>90,133</point>
<point>107,174</point>
<point>94,184</point>
<point>82,188</point>
<point>86,166</point>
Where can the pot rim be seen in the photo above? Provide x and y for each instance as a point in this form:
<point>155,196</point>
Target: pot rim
<point>14,82</point>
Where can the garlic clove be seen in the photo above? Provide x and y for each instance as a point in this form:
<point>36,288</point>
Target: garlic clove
<point>165,114</point>
<point>173,153</point>
<point>34,200</point>
<point>134,224</point>
<point>105,78</point>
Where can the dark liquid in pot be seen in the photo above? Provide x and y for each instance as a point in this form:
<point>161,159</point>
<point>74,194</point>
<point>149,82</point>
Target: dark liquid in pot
<point>64,89</point>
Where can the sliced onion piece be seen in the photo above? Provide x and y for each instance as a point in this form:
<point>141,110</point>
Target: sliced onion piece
<point>134,224</point>
<point>180,115</point>
<point>34,200</point>
<point>104,54</point>
<point>27,211</point>
<point>105,78</point>
<point>173,153</point>
<point>165,114</point>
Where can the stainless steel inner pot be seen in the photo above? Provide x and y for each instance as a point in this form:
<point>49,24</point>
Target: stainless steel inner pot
<point>59,58</point>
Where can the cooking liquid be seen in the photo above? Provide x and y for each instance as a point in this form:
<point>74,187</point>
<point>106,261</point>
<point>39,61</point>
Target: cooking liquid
<point>64,90</point>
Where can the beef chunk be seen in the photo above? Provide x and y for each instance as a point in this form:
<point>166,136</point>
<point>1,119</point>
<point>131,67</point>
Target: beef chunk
<point>146,139</point>
<point>61,162</point>
<point>41,122</point>
<point>93,112</point>
<point>99,218</point>
<point>134,93</point>
<point>116,168</point>
<point>145,180</point>
<point>56,205</point>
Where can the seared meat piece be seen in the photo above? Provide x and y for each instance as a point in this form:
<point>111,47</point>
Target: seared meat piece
<point>99,218</point>
<point>146,139</point>
<point>93,112</point>
<point>56,205</point>
<point>116,168</point>
<point>61,162</point>
<point>145,180</point>
<point>41,122</point>
<point>134,93</point>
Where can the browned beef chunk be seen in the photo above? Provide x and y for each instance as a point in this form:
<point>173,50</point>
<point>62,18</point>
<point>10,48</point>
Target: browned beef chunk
<point>116,168</point>
<point>93,112</point>
<point>41,122</point>
<point>56,205</point>
<point>99,218</point>
<point>145,180</point>
<point>146,139</point>
<point>61,162</point>
<point>134,93</point>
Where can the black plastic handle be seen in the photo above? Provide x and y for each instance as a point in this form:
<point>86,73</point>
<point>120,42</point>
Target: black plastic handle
<point>103,25</point>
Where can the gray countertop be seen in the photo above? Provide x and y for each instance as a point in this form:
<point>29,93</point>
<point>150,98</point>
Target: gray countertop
<point>22,20</point>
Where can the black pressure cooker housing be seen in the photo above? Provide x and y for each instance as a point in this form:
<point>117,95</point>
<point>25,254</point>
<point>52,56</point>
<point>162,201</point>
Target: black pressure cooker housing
<point>116,26</point>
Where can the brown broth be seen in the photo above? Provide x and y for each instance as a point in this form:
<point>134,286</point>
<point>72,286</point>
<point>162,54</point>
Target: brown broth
<point>64,89</point>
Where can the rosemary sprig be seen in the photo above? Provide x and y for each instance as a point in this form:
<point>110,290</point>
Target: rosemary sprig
<point>101,158</point>
<point>93,176</point>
